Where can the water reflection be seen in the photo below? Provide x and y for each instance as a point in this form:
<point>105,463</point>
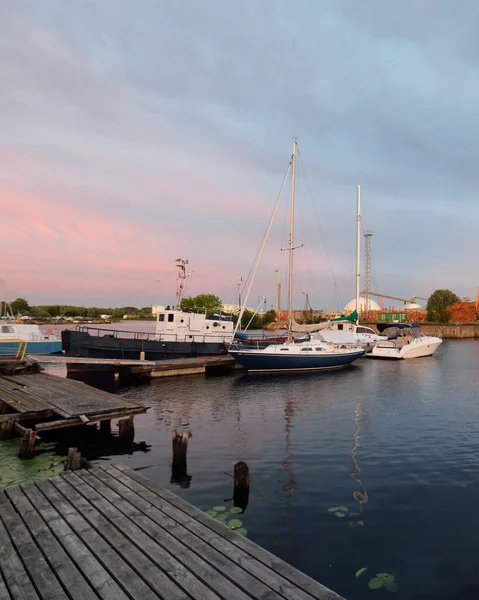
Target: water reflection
<point>360,495</point>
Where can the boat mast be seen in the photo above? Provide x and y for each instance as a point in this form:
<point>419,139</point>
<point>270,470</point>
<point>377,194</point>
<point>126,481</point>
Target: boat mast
<point>291,242</point>
<point>358,251</point>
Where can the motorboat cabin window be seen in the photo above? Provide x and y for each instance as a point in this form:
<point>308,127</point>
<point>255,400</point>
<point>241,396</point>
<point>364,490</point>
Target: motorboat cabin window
<point>284,349</point>
<point>306,349</point>
<point>318,349</point>
<point>340,327</point>
<point>171,318</point>
<point>7,329</point>
<point>162,316</point>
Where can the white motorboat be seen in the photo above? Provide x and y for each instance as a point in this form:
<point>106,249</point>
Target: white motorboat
<point>405,340</point>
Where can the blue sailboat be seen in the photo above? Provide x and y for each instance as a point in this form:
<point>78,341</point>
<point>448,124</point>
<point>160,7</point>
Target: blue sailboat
<point>296,356</point>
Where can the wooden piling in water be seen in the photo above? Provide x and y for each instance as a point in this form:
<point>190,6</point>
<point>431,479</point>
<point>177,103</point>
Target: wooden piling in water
<point>126,428</point>
<point>179,472</point>
<point>241,480</point>
<point>73,461</point>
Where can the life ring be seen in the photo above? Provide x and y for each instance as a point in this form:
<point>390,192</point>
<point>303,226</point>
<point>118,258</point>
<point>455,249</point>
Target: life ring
<point>351,328</point>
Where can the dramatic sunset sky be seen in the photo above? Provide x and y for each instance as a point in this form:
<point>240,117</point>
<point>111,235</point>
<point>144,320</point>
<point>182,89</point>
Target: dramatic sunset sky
<point>134,133</point>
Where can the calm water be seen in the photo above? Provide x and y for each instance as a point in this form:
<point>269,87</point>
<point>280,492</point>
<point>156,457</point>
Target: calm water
<point>394,442</point>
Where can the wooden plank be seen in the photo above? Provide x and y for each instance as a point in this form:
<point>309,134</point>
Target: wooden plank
<point>125,562</point>
<point>193,558</point>
<point>4,593</point>
<point>80,553</point>
<point>49,425</point>
<point>26,416</point>
<point>58,559</point>
<point>38,569</point>
<point>174,568</point>
<point>244,571</point>
<point>15,577</point>
<point>163,510</point>
<point>277,565</point>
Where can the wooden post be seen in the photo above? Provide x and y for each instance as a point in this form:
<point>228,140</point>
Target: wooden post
<point>27,445</point>
<point>179,474</point>
<point>105,427</point>
<point>126,428</point>
<point>6,428</point>
<point>241,485</point>
<point>74,460</point>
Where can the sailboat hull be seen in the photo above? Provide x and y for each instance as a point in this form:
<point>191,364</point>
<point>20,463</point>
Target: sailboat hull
<point>261,362</point>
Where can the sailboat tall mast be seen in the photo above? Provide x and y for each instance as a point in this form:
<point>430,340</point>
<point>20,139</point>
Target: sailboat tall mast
<point>291,242</point>
<point>358,250</point>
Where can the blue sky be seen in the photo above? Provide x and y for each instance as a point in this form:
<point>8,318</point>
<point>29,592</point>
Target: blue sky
<point>133,134</point>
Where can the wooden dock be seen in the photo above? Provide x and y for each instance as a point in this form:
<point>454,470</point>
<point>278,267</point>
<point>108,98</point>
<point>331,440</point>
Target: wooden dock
<point>44,402</point>
<point>109,533</point>
<point>159,368</point>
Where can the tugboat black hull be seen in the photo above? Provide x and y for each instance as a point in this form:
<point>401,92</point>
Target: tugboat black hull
<point>81,343</point>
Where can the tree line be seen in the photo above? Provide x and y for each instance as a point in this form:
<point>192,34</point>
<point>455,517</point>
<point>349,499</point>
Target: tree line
<point>437,309</point>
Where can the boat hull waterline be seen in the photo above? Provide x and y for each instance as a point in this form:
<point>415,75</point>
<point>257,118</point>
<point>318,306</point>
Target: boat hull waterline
<point>275,362</point>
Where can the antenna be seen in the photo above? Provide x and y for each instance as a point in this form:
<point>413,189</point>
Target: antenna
<point>367,272</point>
<point>182,276</point>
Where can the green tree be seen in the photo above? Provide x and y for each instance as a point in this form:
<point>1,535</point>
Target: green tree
<point>208,301</point>
<point>438,304</point>
<point>20,306</point>
<point>269,317</point>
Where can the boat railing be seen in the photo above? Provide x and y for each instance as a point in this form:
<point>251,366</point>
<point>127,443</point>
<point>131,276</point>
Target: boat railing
<point>149,336</point>
<point>22,346</point>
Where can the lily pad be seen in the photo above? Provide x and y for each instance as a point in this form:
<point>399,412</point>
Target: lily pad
<point>236,510</point>
<point>391,586</point>
<point>234,523</point>
<point>333,509</point>
<point>385,576</point>
<point>242,531</point>
<point>221,517</point>
<point>212,513</point>
<point>343,509</point>
<point>339,514</point>
<point>219,508</point>
<point>375,584</point>
<point>361,571</point>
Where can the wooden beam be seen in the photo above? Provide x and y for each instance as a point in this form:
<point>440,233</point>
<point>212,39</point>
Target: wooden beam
<point>74,421</point>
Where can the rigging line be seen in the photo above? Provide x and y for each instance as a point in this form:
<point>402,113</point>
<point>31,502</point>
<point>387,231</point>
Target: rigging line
<point>259,254</point>
<point>268,226</point>
<point>317,218</point>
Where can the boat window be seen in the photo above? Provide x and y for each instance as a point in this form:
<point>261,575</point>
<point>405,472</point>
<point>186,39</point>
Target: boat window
<point>340,326</point>
<point>171,318</point>
<point>162,316</point>
<point>284,349</point>
<point>306,349</point>
<point>7,329</point>
<point>318,349</point>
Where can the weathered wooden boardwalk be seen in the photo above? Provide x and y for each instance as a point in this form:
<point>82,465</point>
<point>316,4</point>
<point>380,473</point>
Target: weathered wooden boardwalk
<point>158,368</point>
<point>109,533</point>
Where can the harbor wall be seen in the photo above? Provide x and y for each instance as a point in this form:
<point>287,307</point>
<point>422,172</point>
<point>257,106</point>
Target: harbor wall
<point>453,331</point>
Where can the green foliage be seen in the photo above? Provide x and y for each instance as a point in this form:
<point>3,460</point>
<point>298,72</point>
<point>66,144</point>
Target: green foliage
<point>438,304</point>
<point>338,511</point>
<point>208,301</point>
<point>20,306</point>
<point>269,317</point>
<point>14,470</point>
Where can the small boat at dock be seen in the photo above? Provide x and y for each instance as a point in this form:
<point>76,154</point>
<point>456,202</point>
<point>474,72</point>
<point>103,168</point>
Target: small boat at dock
<point>37,342</point>
<point>405,340</point>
